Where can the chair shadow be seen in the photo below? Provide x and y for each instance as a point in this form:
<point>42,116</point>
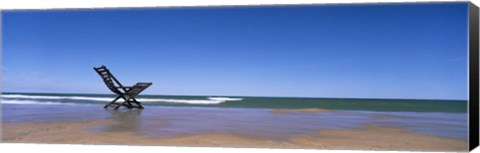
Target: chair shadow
<point>128,120</point>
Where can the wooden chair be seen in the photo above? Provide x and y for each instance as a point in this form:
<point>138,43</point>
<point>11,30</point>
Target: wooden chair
<point>127,93</point>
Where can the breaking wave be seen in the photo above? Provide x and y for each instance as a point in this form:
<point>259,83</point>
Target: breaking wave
<point>58,97</point>
<point>28,102</point>
<point>209,100</point>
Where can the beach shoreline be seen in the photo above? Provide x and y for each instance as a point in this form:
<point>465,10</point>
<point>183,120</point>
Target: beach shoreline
<point>365,138</point>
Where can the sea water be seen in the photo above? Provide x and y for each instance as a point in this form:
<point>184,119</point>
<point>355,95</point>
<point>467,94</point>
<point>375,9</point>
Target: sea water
<point>169,116</point>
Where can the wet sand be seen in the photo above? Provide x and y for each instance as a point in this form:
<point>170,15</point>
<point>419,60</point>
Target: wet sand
<point>232,127</point>
<point>367,138</point>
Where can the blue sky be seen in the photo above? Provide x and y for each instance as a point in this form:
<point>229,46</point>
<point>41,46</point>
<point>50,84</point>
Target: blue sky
<point>361,51</point>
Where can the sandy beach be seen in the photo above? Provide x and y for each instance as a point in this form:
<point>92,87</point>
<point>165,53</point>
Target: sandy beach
<point>66,120</point>
<point>366,138</point>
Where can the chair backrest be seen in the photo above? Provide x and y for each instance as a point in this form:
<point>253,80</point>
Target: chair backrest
<point>109,79</point>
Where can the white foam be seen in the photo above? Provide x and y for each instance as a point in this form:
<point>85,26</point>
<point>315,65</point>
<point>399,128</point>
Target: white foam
<point>225,99</point>
<point>210,100</point>
<point>187,101</point>
<point>29,102</point>
<point>58,97</point>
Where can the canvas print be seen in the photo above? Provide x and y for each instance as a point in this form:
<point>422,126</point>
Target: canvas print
<point>350,76</point>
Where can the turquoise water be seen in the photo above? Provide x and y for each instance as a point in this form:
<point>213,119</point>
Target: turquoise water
<point>388,105</point>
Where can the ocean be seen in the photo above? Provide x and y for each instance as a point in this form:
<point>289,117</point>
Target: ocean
<point>389,105</point>
<point>247,116</point>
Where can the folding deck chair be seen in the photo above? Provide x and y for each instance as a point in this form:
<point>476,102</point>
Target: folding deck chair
<point>128,94</point>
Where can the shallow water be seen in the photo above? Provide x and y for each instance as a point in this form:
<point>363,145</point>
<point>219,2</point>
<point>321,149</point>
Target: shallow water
<point>165,121</point>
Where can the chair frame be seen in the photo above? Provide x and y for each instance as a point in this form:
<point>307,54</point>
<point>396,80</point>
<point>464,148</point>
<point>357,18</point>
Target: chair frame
<point>127,93</point>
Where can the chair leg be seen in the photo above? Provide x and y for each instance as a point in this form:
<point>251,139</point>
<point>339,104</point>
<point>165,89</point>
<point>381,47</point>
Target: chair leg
<point>114,100</point>
<point>138,103</point>
<point>127,103</point>
<point>118,106</point>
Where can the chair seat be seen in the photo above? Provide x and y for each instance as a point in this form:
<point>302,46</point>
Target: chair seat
<point>137,88</point>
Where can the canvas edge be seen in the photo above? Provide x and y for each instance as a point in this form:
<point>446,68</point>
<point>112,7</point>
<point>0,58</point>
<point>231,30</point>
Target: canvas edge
<point>473,42</point>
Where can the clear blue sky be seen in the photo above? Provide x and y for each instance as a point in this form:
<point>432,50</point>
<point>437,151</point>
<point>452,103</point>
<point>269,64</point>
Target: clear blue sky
<point>361,51</point>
